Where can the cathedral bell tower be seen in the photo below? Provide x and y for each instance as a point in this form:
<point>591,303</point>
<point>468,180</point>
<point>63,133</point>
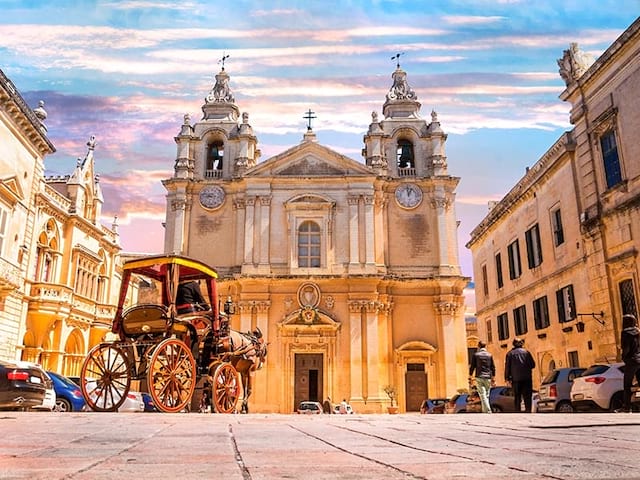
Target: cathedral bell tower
<point>210,153</point>
<point>403,144</point>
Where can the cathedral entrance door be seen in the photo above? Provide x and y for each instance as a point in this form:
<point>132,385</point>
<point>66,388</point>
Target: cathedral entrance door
<point>415,386</point>
<point>308,378</point>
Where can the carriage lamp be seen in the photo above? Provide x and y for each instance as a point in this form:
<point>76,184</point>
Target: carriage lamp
<point>229,306</point>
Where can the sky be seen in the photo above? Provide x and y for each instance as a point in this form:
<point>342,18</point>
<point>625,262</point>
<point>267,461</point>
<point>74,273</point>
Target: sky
<point>128,71</point>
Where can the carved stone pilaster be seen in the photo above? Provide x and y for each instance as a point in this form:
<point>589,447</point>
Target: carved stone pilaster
<point>446,308</point>
<point>441,202</point>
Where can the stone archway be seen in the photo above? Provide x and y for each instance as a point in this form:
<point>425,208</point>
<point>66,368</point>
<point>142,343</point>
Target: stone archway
<point>308,339</point>
<point>73,353</point>
<point>416,373</point>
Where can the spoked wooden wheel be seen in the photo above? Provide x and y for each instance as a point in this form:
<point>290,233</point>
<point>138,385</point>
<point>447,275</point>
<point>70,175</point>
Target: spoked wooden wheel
<point>226,388</point>
<point>172,375</point>
<point>105,378</point>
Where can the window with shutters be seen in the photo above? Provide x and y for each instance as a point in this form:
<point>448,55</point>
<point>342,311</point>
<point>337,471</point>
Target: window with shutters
<point>566,304</point>
<point>541,313</point>
<point>515,267</point>
<point>503,326</point>
<point>534,249</point>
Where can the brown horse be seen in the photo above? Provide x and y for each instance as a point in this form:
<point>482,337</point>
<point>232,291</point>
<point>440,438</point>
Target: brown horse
<point>247,353</point>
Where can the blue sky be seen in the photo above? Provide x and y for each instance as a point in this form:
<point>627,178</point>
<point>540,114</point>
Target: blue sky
<point>127,71</point>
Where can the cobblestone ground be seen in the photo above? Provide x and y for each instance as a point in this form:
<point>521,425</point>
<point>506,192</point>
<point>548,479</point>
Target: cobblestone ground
<point>260,446</point>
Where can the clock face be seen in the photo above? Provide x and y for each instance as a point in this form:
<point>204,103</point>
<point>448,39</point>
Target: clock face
<point>408,195</point>
<point>211,196</point>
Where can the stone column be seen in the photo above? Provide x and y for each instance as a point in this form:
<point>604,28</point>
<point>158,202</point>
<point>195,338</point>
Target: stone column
<point>355,337</point>
<point>369,230</point>
<point>248,230</point>
<point>372,366</point>
<point>441,205</point>
<point>179,206</point>
<point>238,246</point>
<point>265,209</point>
<point>453,356</point>
<point>354,254</point>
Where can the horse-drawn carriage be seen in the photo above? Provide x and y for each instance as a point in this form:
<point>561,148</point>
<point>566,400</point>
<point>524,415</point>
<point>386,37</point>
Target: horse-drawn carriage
<point>171,344</point>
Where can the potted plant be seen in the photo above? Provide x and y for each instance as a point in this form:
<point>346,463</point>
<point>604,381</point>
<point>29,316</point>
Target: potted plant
<point>390,390</point>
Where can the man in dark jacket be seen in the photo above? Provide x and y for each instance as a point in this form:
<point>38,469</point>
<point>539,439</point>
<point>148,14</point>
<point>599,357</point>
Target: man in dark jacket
<point>630,345</point>
<point>517,371</point>
<point>485,371</point>
<point>189,298</point>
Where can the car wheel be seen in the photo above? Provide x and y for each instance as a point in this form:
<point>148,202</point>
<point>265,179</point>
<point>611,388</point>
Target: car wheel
<point>62,405</point>
<point>496,409</point>
<point>564,407</point>
<point>616,402</point>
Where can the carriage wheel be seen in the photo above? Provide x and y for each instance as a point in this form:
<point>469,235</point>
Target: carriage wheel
<point>105,378</point>
<point>172,375</point>
<point>226,388</point>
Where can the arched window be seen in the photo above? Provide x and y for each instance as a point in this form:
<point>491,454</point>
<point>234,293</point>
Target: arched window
<point>309,245</point>
<point>405,154</point>
<point>215,153</point>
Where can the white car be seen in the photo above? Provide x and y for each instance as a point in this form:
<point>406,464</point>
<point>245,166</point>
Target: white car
<point>339,409</point>
<point>600,387</point>
<point>133,403</point>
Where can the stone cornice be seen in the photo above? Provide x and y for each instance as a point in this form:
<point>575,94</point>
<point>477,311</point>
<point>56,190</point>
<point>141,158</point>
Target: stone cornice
<point>524,187</point>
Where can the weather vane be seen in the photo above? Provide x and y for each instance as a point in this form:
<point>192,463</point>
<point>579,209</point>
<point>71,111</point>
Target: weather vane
<point>309,116</point>
<point>224,57</point>
<point>397,57</point>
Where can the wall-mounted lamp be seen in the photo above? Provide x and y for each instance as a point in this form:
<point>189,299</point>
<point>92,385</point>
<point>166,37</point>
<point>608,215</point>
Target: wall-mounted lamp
<point>598,317</point>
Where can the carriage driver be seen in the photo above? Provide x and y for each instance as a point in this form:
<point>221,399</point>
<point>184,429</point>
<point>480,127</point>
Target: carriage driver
<point>189,298</point>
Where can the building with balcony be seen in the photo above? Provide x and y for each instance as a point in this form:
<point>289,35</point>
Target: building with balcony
<point>60,266</point>
<point>556,260</point>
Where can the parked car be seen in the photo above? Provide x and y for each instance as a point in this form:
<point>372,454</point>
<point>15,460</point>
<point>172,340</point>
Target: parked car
<point>148,403</point>
<point>22,386</point>
<point>134,401</point>
<point>457,403</point>
<point>68,394</point>
<point>310,408</point>
<point>598,388</point>
<point>433,405</point>
<point>501,399</point>
<point>337,408</point>
<point>49,400</point>
<point>555,390</point>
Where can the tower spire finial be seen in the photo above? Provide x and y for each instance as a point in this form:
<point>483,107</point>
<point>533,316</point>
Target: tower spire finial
<point>224,57</point>
<point>397,58</point>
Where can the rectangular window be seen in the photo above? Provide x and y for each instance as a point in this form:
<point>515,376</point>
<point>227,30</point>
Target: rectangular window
<point>628,298</point>
<point>541,313</point>
<point>556,224</point>
<point>520,320</point>
<point>612,170</point>
<point>485,281</point>
<point>489,332</point>
<point>566,304</point>
<point>534,250</point>
<point>515,267</point>
<point>3,229</point>
<point>572,359</point>
<point>499,278</point>
<point>503,326</point>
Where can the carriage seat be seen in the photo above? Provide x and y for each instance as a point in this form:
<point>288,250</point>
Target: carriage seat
<point>145,319</point>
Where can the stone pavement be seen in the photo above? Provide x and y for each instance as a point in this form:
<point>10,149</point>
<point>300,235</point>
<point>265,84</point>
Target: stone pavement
<point>96,446</point>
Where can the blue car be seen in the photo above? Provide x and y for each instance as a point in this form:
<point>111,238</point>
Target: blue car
<point>69,397</point>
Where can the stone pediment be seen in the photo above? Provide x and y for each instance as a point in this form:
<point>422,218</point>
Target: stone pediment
<point>11,190</point>
<point>309,160</point>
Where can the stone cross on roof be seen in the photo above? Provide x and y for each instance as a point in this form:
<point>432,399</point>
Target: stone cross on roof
<point>309,116</point>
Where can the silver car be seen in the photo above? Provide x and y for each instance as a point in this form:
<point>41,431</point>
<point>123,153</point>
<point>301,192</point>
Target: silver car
<point>555,390</point>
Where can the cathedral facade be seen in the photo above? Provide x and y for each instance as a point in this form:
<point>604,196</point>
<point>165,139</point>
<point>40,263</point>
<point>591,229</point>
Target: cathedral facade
<point>350,269</point>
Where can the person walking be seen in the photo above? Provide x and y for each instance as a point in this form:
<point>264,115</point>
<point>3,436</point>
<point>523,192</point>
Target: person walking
<point>630,345</point>
<point>485,371</point>
<point>517,371</point>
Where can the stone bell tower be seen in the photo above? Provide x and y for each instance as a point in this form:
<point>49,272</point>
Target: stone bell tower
<point>210,153</point>
<point>403,144</point>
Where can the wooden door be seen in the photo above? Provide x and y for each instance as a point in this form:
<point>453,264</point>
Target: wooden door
<point>415,386</point>
<point>308,378</point>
